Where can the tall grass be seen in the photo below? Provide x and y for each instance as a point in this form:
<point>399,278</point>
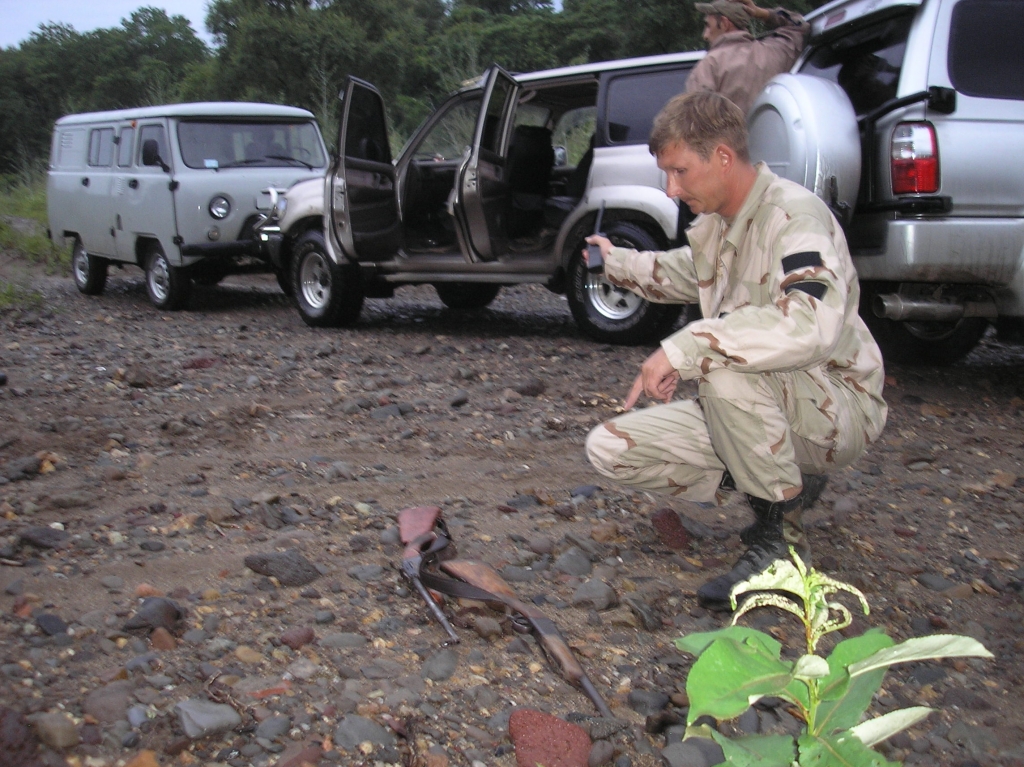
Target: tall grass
<point>23,223</point>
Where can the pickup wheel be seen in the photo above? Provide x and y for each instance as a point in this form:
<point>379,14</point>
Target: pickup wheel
<point>168,286</point>
<point>90,271</point>
<point>466,295</point>
<point>612,314</point>
<point>922,343</point>
<point>326,294</point>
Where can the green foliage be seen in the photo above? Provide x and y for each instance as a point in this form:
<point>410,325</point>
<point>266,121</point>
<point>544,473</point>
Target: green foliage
<point>299,51</point>
<point>23,226</point>
<point>737,666</point>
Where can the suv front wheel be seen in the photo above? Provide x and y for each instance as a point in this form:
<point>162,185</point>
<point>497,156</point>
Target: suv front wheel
<point>327,295</point>
<point>612,314</point>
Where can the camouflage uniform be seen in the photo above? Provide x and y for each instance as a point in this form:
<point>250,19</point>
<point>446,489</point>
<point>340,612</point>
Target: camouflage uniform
<point>789,377</point>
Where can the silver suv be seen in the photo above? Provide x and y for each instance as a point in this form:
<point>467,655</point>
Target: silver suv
<point>498,187</point>
<point>907,117</point>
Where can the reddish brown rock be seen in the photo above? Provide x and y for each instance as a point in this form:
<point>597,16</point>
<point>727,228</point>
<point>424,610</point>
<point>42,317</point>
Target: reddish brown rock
<point>544,740</point>
<point>670,528</point>
<point>161,639</point>
<point>301,755</point>
<point>298,636</point>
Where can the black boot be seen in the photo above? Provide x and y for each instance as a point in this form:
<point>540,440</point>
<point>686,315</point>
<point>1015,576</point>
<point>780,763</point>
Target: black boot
<point>767,545</point>
<point>792,522</point>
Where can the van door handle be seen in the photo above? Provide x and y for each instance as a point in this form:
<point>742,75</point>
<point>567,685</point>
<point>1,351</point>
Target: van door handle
<point>85,181</point>
<point>133,183</point>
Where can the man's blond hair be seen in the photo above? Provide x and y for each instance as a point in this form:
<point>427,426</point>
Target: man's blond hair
<point>700,120</point>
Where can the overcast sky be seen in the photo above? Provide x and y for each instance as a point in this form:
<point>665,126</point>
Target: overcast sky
<point>20,18</point>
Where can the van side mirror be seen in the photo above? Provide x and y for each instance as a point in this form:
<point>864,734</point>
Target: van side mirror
<point>151,154</point>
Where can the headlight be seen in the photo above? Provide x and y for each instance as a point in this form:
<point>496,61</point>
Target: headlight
<point>219,207</point>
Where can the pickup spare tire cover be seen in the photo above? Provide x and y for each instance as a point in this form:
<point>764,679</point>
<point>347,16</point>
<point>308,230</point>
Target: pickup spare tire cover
<point>805,129</point>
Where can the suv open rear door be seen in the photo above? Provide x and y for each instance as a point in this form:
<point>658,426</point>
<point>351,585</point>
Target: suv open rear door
<point>360,196</point>
<point>480,202</point>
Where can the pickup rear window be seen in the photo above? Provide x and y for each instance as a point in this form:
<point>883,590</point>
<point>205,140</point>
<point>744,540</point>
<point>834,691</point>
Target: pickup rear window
<point>866,62</point>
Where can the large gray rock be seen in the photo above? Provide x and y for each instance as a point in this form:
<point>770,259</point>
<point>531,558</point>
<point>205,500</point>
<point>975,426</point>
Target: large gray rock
<point>289,567</point>
<point>200,718</point>
<point>355,729</point>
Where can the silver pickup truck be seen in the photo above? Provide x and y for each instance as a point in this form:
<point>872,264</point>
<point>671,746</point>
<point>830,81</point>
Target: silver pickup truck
<point>907,118</point>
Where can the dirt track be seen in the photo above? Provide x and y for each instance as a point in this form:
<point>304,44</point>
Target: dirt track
<point>167,447</point>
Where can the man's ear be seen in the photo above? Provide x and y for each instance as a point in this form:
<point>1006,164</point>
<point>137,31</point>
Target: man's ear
<point>724,156</point>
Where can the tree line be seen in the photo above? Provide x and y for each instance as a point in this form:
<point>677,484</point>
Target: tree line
<point>298,52</point>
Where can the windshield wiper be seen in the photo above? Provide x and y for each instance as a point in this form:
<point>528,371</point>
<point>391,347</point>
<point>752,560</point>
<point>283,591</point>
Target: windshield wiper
<point>289,158</point>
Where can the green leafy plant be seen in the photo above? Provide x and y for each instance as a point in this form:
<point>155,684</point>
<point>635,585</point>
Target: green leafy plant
<point>738,665</point>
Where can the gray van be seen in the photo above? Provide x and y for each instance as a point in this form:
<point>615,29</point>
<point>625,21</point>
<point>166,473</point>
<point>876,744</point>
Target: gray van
<point>176,190</point>
<point>907,117</point>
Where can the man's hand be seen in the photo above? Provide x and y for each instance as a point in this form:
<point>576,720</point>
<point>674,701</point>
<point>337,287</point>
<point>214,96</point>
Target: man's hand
<point>754,11</point>
<point>598,239</point>
<point>657,379</point>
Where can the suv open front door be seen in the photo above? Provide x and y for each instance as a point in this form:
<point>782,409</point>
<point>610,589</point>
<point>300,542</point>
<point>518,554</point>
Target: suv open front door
<point>361,201</point>
<point>481,196</point>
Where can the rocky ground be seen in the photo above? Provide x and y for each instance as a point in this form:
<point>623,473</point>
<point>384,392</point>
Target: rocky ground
<point>199,552</point>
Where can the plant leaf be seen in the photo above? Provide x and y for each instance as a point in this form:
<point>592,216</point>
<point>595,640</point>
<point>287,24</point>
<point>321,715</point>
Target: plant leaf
<point>843,699</point>
<point>922,648</point>
<point>695,644</point>
<point>811,667</point>
<point>878,729</point>
<point>757,750</point>
<point>844,750</point>
<point>729,676</point>
<point>847,652</point>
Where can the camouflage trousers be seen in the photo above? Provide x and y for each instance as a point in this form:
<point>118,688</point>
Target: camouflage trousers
<point>766,428</point>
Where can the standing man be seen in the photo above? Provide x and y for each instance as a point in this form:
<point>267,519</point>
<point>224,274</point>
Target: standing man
<point>737,65</point>
<point>789,378</point>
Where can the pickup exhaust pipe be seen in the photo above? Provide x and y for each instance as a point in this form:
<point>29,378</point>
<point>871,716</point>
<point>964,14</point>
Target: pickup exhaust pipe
<point>892,306</point>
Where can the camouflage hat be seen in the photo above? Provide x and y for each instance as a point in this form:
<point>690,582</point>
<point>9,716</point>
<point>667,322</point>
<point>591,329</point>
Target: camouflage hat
<point>736,12</point>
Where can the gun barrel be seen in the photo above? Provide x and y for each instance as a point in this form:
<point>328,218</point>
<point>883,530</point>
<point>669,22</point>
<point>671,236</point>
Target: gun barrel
<point>435,608</point>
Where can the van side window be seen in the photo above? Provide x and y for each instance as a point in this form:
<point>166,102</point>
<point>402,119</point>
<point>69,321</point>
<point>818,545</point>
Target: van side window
<point>634,100</point>
<point>101,147</point>
<point>985,49</point>
<point>866,63</point>
<point>124,147</point>
<point>155,132</point>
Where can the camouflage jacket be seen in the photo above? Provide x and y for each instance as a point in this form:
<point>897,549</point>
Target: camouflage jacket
<point>777,290</point>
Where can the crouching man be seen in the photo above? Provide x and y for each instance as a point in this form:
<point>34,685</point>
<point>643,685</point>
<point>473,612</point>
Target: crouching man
<point>789,378</point>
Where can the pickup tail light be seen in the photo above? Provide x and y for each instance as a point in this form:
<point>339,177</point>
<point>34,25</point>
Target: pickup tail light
<point>914,157</point>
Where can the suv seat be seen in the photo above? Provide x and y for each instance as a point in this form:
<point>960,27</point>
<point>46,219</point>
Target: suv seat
<point>531,158</point>
<point>556,208</point>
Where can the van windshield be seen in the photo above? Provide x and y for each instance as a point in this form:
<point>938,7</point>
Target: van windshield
<point>219,144</point>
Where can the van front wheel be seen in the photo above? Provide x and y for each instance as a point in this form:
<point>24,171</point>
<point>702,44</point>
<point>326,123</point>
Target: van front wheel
<point>90,271</point>
<point>168,286</point>
<point>326,294</point>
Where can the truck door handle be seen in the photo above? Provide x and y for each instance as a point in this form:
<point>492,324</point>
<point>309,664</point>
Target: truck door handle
<point>133,183</point>
<point>85,181</point>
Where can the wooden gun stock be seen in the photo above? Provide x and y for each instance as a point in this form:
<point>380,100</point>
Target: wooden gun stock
<point>485,578</point>
<point>415,523</point>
